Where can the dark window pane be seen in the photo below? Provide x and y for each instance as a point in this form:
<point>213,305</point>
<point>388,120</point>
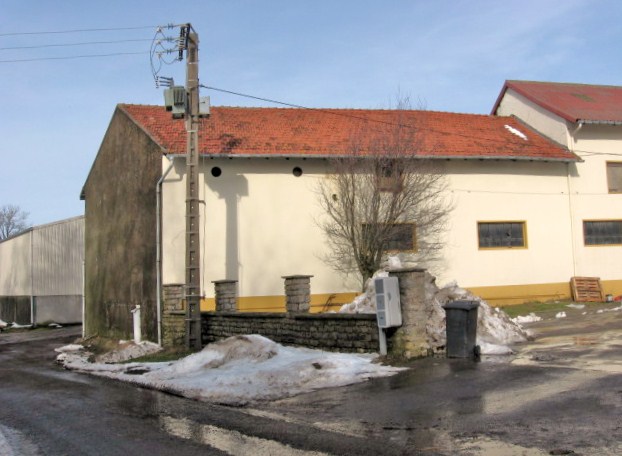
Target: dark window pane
<point>501,234</point>
<point>614,177</point>
<point>399,236</point>
<point>606,232</point>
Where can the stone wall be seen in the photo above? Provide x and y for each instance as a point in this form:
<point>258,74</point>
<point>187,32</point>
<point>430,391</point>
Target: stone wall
<point>334,332</point>
<point>173,316</point>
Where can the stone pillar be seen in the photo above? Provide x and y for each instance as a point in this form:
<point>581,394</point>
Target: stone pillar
<point>173,316</point>
<point>226,295</point>
<point>297,293</point>
<point>410,340</point>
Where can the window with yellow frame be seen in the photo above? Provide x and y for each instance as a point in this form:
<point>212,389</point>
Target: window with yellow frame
<point>501,235</point>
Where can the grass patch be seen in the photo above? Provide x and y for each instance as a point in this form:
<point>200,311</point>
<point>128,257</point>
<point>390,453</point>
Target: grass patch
<point>539,307</point>
<point>535,307</point>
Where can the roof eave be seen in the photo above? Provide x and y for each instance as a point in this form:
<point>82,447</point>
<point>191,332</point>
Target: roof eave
<point>420,157</point>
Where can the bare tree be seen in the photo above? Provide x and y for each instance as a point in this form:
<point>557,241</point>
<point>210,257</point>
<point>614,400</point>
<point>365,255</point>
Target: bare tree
<point>383,197</point>
<point>12,220</point>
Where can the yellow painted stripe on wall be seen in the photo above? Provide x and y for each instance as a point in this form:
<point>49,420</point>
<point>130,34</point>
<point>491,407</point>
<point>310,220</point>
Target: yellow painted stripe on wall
<point>508,295</point>
<point>518,294</point>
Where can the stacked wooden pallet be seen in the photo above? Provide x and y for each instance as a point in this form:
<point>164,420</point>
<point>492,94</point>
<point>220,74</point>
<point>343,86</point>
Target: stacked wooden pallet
<point>587,289</point>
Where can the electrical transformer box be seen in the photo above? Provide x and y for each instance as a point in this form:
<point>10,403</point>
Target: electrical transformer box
<point>388,308</point>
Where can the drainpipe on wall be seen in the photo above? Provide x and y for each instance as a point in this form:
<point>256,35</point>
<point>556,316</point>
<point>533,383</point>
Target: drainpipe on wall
<point>83,298</point>
<point>571,141</point>
<point>159,245</point>
<point>32,281</point>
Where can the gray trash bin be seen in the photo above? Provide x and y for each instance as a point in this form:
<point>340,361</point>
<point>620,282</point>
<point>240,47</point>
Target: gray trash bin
<point>461,328</point>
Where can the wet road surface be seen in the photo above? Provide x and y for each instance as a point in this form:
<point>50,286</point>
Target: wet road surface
<point>562,394</point>
<point>46,410</point>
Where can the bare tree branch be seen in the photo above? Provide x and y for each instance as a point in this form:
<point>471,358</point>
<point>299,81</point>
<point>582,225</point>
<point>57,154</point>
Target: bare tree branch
<point>13,220</point>
<point>379,191</point>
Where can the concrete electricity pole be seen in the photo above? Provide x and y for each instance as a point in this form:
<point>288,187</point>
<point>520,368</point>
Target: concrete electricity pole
<point>193,244</point>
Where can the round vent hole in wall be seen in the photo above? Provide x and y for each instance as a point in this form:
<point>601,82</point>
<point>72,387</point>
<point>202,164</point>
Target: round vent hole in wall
<point>297,171</point>
<point>216,171</point>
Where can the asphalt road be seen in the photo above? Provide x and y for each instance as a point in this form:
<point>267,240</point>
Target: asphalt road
<point>46,410</point>
<point>562,394</point>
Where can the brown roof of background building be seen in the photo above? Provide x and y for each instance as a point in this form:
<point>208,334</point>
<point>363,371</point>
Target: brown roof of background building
<point>332,132</point>
<point>573,102</point>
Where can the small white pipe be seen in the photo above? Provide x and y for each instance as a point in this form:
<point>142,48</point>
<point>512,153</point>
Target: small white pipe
<point>159,245</point>
<point>83,298</point>
<point>136,317</point>
<point>382,338</point>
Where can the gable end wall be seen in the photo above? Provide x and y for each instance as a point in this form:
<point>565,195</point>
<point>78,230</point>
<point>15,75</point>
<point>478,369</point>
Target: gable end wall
<point>120,231</point>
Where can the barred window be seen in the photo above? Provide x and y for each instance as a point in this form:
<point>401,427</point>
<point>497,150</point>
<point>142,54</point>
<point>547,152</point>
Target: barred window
<point>602,232</point>
<point>501,234</point>
<point>614,177</point>
<point>400,237</point>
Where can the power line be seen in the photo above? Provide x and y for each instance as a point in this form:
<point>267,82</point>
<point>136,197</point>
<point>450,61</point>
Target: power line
<point>326,111</point>
<point>80,30</point>
<point>73,44</point>
<point>73,57</point>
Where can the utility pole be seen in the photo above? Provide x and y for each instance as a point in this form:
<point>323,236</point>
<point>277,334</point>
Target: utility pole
<point>193,244</point>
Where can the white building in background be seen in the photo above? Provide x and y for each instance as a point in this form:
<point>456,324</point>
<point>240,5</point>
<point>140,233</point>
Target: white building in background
<point>41,274</point>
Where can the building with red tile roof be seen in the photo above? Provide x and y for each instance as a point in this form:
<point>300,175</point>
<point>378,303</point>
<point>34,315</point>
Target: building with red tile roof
<point>575,103</point>
<point>507,238</point>
<point>587,120</point>
<point>330,132</point>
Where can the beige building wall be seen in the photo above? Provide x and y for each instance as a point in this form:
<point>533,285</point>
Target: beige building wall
<point>259,223</point>
<point>590,199</point>
<point>535,193</point>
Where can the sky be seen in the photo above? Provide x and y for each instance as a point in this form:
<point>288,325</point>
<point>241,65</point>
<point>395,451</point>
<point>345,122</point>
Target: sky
<point>445,55</point>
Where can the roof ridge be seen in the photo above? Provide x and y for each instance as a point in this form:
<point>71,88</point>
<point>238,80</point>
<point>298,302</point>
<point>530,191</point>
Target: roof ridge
<point>583,84</point>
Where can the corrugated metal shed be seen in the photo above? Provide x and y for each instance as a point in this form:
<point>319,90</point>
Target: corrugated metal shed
<point>41,269</point>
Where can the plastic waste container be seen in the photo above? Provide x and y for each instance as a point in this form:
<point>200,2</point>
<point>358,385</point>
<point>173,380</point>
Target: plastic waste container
<point>461,328</point>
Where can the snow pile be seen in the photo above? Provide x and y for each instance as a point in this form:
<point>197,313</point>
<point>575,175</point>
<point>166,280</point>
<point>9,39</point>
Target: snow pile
<point>531,318</point>
<point>495,329</point>
<point>560,315</point>
<point>128,350</point>
<point>15,325</point>
<point>366,302</point>
<point>576,306</point>
<point>3,324</point>
<point>239,370</point>
<point>614,309</point>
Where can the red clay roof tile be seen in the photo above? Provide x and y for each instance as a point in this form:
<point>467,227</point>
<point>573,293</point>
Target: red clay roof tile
<point>331,132</point>
<point>573,102</point>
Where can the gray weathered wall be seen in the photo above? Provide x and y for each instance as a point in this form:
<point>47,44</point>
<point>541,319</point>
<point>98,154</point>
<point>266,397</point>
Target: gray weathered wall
<point>15,309</point>
<point>120,235</point>
<point>334,332</point>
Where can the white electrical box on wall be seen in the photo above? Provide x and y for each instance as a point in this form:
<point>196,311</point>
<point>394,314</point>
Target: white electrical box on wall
<point>388,309</point>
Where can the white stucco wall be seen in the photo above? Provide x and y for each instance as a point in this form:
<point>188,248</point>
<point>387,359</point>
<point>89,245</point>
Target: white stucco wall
<point>257,224</point>
<point>260,225</point>
<point>596,145</point>
<point>532,192</point>
<point>590,200</point>
<point>543,121</point>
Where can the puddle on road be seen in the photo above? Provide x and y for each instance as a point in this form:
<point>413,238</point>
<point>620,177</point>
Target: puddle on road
<point>593,352</point>
<point>232,442</point>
